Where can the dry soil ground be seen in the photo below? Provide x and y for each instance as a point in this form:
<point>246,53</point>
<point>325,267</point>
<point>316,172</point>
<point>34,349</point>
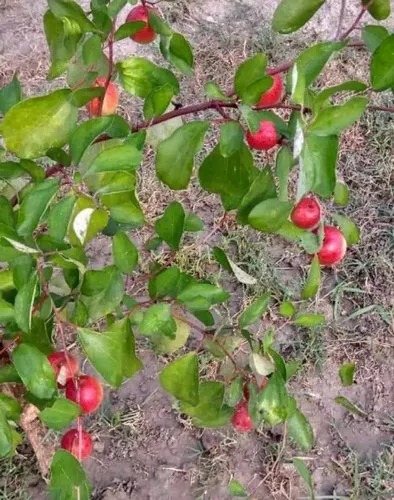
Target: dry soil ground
<point>143,448</point>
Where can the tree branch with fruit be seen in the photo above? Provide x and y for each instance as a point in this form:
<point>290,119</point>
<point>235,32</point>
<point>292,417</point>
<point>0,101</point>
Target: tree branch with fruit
<point>68,176</point>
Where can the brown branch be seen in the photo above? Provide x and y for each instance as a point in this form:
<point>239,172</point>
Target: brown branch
<point>340,19</point>
<point>389,109</point>
<point>363,10</point>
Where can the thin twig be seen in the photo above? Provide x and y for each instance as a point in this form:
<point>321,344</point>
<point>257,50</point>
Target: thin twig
<point>340,19</point>
<point>363,10</point>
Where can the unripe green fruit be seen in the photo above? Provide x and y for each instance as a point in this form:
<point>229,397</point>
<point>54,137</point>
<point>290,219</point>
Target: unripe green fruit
<point>380,9</point>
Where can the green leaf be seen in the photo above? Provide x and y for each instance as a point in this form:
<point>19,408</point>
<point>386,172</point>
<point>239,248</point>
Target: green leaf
<point>35,371</point>
<point>261,365</point>
<point>199,296</point>
<point>7,215</point>
<point>382,72</point>
<point>112,353</point>
<point>291,15</point>
<point>140,76</point>
<point>300,430</point>
<point>80,97</point>
<point>379,9</point>
<point>128,29</point>
<point>346,374</point>
<point>86,221</point>
<point>235,489</point>
<point>158,24</point>
<point>213,91</point>
<point>5,436</point>
<point>178,51</point>
<point>287,309</point>
<point>234,391</point>
<point>318,166</point>
<point>231,138</point>
<point>271,404</point>
<point>283,165</point>
<point>10,94</point>
<point>52,119</point>
<point>348,228</point>
<point>70,9</point>
<point>193,223</point>
<point>10,407</point>
<point>68,479</point>
<point>324,96</point>
<point>312,283</point>
<point>175,155</point>
<point>303,471</point>
<point>62,413</point>
<point>334,119</point>
<point>262,188</point>
<point>125,253</point>
<point>6,311</point>
<point>180,378</point>
<point>171,224</point>
<point>230,176</point>
<point>210,410</point>
<point>158,321</point>
<point>119,157</point>
<point>87,132</point>
<point>104,291</point>
<point>8,373</point>
<point>24,303</point>
<point>269,215</point>
<point>373,36</point>
<point>22,267</point>
<point>167,345</point>
<point>157,102</point>
<point>309,320</point>
<point>250,77</point>
<point>341,194</point>
<point>91,50</point>
<point>254,311</point>
<point>35,204</point>
<point>62,44</point>
<point>165,283</point>
<point>222,258</point>
<point>59,217</point>
<point>349,406</point>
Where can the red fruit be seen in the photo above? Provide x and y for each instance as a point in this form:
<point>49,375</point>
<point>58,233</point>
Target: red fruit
<point>141,13</point>
<point>111,99</point>
<point>274,94</point>
<point>265,138</point>
<point>307,213</point>
<point>64,367</point>
<point>77,442</point>
<point>87,392</point>
<point>334,247</point>
<point>241,420</point>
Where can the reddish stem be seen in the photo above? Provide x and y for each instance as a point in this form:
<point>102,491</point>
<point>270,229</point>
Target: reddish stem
<point>364,8</point>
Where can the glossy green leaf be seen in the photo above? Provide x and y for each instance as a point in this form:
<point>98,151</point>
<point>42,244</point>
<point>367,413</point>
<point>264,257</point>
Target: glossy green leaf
<point>6,311</point>
<point>157,102</point>
<point>261,365</point>
<point>35,204</point>
<point>158,321</point>
<point>230,176</point>
<point>59,217</point>
<point>10,94</point>
<point>60,414</point>
<point>269,215</point>
<point>193,223</point>
<point>379,9</point>
<point>52,119</point>
<point>112,353</point>
<point>272,403</point>
<point>231,138</point>
<point>334,119</point>
<point>22,267</point>
<point>346,373</point>
<point>158,24</point>
<point>283,165</point>
<point>35,371</point>
<point>323,97</point>
<point>348,228</point>
<point>250,77</point>
<point>291,15</point>
<point>10,407</point>
<point>7,215</point>
<point>5,436</point>
<point>120,157</point>
<point>180,378</point>
<point>341,194</point>
<point>287,309</point>
<point>305,474</point>
<point>309,320</point>
<point>8,373</point>
<point>235,489</point>
<point>234,391</point>
<point>127,29</point>
<point>68,479</point>
<point>199,296</point>
<point>125,253</point>
<point>165,283</point>
<point>312,283</point>
<point>170,225</point>
<point>210,410</point>
<point>178,51</point>
<point>382,72</point>
<point>167,345</point>
<point>254,311</point>
<point>86,221</point>
<point>175,155</point>
<point>300,430</point>
<point>70,9</point>
<point>24,303</point>
<point>213,91</point>
<point>262,188</point>
<point>318,166</point>
<point>349,406</point>
<point>373,36</point>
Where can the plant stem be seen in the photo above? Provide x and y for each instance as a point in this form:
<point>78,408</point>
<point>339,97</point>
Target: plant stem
<point>364,8</point>
<point>340,19</point>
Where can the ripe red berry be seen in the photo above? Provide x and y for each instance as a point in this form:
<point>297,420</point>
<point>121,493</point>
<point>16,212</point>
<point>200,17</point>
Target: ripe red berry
<point>141,13</point>
<point>265,138</point>
<point>274,94</point>
<point>334,247</point>
<point>77,442</point>
<point>87,392</point>
<point>241,420</point>
<point>64,367</point>
<point>307,213</point>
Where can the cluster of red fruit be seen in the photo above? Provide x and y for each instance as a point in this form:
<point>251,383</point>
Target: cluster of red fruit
<point>84,390</point>
<point>307,215</point>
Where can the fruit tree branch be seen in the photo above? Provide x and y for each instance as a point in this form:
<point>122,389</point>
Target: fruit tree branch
<point>363,10</point>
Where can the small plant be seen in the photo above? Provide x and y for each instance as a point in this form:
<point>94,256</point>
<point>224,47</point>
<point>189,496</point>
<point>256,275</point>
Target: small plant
<point>70,167</point>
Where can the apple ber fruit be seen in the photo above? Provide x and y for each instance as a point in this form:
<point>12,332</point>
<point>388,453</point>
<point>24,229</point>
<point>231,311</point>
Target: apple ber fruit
<point>274,94</point>
<point>141,13</point>
<point>241,420</point>
<point>64,366</point>
<point>265,138</point>
<point>110,102</point>
<point>307,213</point>
<point>333,248</point>
<point>85,391</point>
<point>78,442</point>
